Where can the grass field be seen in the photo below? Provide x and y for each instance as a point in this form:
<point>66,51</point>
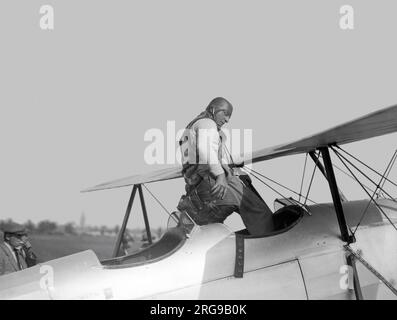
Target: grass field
<point>48,247</point>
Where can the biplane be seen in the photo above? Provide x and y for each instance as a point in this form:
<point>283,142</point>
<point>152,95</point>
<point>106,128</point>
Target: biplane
<point>339,250</point>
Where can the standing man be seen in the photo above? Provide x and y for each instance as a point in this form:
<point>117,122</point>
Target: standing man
<point>213,192</point>
<point>16,251</point>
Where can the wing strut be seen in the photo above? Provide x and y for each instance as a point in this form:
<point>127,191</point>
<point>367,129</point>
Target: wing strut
<point>149,235</point>
<point>125,221</point>
<point>335,195</point>
<point>321,168</point>
<point>127,216</point>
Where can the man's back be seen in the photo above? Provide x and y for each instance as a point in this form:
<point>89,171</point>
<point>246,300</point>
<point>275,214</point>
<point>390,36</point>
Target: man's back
<point>202,143</point>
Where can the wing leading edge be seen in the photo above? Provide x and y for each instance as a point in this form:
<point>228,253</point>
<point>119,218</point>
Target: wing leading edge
<point>375,124</point>
<point>158,175</point>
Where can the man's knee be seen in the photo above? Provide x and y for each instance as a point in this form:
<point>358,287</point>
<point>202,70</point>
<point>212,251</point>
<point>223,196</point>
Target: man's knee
<point>221,212</point>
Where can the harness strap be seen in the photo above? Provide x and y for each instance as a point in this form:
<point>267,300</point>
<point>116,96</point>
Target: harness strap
<point>239,262</point>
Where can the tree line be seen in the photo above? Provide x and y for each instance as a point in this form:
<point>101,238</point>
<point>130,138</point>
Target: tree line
<point>70,228</point>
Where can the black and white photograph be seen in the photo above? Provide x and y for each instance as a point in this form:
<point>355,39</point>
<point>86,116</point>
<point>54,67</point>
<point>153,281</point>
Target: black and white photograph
<point>180,151</point>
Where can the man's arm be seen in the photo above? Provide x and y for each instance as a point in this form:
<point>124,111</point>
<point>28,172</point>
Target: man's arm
<point>208,151</point>
<point>208,145</point>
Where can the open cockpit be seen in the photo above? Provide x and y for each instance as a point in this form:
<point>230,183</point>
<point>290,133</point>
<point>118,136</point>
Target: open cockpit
<point>178,228</point>
<point>284,219</point>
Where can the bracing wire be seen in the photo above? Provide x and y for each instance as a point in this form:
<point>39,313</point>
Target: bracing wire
<point>374,192</point>
<point>158,201</point>
<point>270,187</point>
<point>344,172</point>
<point>362,173</point>
<point>371,198</point>
<point>393,160</point>
<point>252,171</point>
<point>367,166</point>
<point>277,183</point>
<point>311,179</point>
<point>303,177</point>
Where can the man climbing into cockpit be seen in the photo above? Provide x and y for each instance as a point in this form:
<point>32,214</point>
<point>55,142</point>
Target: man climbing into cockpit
<point>213,191</point>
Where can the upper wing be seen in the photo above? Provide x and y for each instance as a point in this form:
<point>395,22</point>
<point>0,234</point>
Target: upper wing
<point>375,124</point>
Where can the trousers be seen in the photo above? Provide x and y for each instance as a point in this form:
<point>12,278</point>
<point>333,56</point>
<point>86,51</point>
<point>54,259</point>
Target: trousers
<point>239,197</point>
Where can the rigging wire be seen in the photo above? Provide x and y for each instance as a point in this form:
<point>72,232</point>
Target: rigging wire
<point>344,172</point>
<point>371,198</point>
<point>252,171</point>
<point>158,201</point>
<point>230,155</point>
<point>277,183</point>
<point>290,200</point>
<point>279,193</point>
<point>311,180</point>
<point>393,160</point>
<point>303,178</point>
<point>374,183</point>
<point>364,164</point>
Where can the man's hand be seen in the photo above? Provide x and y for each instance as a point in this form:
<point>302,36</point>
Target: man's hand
<point>220,187</point>
<point>27,244</point>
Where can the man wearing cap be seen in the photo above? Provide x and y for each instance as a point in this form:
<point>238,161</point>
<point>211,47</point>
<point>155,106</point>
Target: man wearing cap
<point>213,191</point>
<point>16,251</point>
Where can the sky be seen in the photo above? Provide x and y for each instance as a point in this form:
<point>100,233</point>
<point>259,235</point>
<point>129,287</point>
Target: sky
<point>76,101</point>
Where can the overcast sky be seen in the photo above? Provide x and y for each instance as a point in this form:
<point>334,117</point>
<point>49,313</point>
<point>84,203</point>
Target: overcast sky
<point>76,101</point>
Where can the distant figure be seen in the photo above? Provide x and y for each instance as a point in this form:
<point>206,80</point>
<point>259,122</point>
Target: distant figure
<point>213,188</point>
<point>125,242</point>
<point>16,251</point>
<point>145,240</point>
